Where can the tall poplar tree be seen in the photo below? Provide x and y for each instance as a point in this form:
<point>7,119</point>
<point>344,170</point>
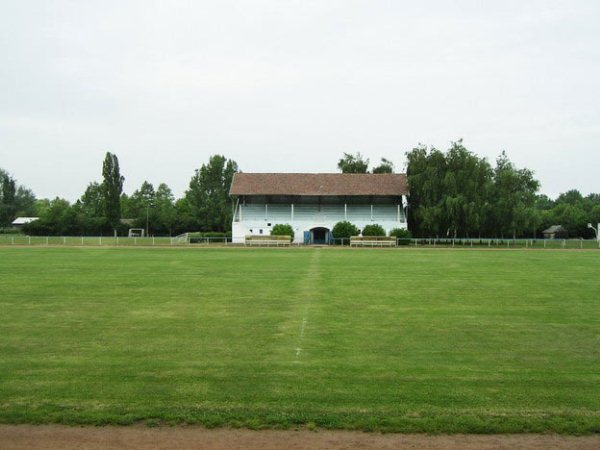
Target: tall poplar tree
<point>112,186</point>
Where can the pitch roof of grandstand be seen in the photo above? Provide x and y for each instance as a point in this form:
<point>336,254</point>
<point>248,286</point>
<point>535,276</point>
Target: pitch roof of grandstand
<point>319,184</point>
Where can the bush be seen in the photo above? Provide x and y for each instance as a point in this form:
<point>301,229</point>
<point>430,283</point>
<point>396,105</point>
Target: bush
<point>403,236</point>
<point>373,230</point>
<point>213,234</point>
<point>281,229</point>
<point>401,233</point>
<point>195,237</point>
<point>10,230</point>
<point>344,230</point>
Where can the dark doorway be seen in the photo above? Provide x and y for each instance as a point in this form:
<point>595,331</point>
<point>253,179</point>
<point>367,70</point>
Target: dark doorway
<point>319,235</point>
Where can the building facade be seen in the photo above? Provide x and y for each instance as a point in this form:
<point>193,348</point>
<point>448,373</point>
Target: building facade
<point>313,203</point>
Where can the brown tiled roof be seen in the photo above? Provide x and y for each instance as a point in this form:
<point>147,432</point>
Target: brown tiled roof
<point>318,184</point>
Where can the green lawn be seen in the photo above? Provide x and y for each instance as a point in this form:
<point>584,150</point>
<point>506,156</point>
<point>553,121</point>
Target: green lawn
<point>396,340</point>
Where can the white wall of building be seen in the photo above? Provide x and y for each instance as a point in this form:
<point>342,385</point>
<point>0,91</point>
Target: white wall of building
<point>259,219</point>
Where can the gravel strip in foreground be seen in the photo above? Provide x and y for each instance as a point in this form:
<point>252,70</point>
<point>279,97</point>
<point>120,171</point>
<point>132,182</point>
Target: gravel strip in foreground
<point>183,437</point>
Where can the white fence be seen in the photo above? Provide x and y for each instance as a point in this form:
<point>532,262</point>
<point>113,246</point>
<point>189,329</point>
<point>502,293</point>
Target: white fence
<point>192,240</point>
<point>111,241</point>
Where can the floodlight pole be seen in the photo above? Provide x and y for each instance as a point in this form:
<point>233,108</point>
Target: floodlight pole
<point>596,230</point>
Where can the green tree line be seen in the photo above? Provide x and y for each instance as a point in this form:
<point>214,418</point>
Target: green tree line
<point>459,194</point>
<point>454,193</point>
<point>104,208</point>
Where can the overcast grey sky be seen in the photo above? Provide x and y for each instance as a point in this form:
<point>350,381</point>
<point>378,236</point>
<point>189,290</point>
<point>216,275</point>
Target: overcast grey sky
<point>287,86</point>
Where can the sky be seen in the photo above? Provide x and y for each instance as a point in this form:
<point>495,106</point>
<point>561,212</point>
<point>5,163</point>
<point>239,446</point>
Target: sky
<point>289,86</point>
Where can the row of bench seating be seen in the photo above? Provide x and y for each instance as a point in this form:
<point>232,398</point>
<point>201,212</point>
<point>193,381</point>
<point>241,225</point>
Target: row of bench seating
<point>372,241</point>
<point>355,241</point>
<point>268,241</point>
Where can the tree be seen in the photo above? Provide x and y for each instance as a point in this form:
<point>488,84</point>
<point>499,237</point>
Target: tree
<point>25,202</point>
<point>112,187</point>
<point>353,163</point>
<point>458,194</point>
<point>595,215</point>
<point>58,219</point>
<point>185,220</point>
<point>466,186</point>
<point>91,202</point>
<point>165,208</point>
<point>514,195</point>
<point>572,217</point>
<point>8,191</point>
<point>41,206</point>
<point>571,210</point>
<point>15,200</point>
<point>386,166</point>
<point>425,171</point>
<point>208,194</point>
<point>141,207</point>
<point>571,197</point>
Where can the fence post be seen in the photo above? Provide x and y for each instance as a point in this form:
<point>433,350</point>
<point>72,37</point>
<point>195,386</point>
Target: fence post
<point>100,240</point>
<point>81,240</point>
<point>29,239</point>
<point>64,240</point>
<point>12,240</point>
<point>46,240</point>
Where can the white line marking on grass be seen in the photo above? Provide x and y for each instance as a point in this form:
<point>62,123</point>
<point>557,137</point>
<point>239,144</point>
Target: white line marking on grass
<point>308,291</point>
<point>303,326</point>
<point>299,349</point>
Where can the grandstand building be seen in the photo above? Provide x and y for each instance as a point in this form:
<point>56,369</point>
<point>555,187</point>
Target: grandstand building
<point>313,203</point>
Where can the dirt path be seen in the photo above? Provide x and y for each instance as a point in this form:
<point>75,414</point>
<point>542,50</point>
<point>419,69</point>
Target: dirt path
<point>184,437</point>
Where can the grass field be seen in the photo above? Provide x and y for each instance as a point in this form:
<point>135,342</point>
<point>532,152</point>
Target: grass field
<point>395,340</point>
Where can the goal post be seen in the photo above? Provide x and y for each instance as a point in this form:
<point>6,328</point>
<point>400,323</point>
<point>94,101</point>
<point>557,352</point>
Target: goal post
<point>136,232</point>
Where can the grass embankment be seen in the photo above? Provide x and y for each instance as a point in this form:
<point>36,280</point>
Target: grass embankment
<point>394,340</point>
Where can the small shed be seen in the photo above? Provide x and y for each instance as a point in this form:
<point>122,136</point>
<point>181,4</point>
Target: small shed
<point>555,232</point>
<point>20,221</point>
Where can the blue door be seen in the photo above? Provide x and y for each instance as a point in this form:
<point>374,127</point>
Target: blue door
<point>306,237</point>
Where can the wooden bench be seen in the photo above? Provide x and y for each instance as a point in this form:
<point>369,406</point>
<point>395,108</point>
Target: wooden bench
<point>268,241</point>
<point>373,241</point>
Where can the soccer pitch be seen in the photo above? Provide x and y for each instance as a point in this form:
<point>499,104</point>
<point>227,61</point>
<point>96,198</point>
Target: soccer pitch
<point>407,340</point>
